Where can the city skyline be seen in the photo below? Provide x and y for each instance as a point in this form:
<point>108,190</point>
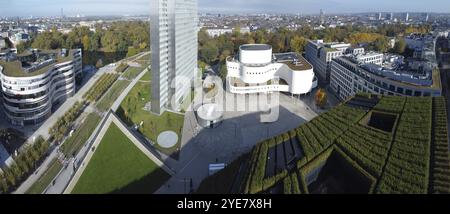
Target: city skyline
<point>138,7</point>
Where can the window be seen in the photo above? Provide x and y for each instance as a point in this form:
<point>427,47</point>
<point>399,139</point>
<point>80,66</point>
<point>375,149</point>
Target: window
<point>392,87</point>
<point>417,93</point>
<point>408,92</point>
<point>399,90</point>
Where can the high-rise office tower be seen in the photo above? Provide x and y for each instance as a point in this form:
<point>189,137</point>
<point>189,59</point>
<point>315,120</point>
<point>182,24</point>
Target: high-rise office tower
<point>391,16</point>
<point>379,16</point>
<point>407,17</point>
<point>174,45</point>
<point>322,17</point>
<point>427,17</point>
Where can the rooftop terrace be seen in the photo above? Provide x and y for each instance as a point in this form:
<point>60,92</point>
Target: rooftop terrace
<point>24,68</point>
<point>293,60</point>
<point>404,75</point>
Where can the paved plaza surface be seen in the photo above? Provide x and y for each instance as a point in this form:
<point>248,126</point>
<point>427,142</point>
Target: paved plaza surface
<point>238,133</point>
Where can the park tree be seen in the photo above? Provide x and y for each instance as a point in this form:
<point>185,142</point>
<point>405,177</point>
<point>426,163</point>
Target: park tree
<point>321,98</point>
<point>86,43</point>
<point>298,44</point>
<point>23,46</point>
<point>209,52</point>
<point>381,44</point>
<point>400,46</point>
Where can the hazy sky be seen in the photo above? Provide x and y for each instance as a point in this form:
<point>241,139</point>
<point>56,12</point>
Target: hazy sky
<point>132,7</point>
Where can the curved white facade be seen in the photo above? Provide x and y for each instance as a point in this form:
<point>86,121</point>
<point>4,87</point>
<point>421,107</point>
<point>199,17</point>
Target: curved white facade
<point>255,54</point>
<point>29,100</point>
<point>258,71</point>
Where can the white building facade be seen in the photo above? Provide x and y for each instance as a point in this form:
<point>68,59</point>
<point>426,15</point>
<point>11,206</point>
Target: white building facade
<point>174,45</point>
<point>350,75</point>
<point>216,32</point>
<point>28,99</point>
<point>257,70</point>
<point>320,55</point>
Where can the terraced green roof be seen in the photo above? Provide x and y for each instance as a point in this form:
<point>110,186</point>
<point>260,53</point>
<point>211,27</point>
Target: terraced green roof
<point>14,68</point>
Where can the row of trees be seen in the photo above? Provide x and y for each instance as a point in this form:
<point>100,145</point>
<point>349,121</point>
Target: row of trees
<point>59,130</point>
<point>101,86</point>
<point>23,165</point>
<point>119,37</point>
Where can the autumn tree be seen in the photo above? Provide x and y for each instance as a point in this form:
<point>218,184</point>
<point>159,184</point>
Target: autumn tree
<point>400,46</point>
<point>321,98</point>
<point>298,44</point>
<point>86,43</point>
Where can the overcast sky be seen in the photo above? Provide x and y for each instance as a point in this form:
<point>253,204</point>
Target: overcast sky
<point>134,7</point>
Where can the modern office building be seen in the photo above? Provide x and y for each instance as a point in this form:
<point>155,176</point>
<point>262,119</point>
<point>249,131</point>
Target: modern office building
<point>423,46</point>
<point>395,76</point>
<point>320,54</point>
<point>322,17</point>
<point>216,32</point>
<point>257,70</point>
<point>406,17</point>
<point>390,16</point>
<point>33,83</point>
<point>174,45</point>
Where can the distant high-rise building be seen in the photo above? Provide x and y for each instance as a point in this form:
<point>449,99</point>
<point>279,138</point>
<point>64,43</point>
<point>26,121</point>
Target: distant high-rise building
<point>407,17</point>
<point>174,45</point>
<point>322,17</point>
<point>379,16</point>
<point>391,16</point>
<point>427,17</point>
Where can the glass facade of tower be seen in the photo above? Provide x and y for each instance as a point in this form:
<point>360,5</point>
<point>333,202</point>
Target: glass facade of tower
<point>174,44</point>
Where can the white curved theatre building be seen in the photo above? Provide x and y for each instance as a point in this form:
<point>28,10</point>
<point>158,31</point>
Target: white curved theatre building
<point>32,83</point>
<point>257,70</point>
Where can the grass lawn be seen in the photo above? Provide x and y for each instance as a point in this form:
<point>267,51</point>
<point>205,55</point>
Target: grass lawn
<point>131,111</point>
<point>133,72</point>
<point>118,166</point>
<point>73,144</point>
<point>108,99</point>
<point>147,77</point>
<point>39,186</point>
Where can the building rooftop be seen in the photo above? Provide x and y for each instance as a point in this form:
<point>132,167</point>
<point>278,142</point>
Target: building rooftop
<point>404,74</point>
<point>295,61</point>
<point>256,47</point>
<point>23,67</point>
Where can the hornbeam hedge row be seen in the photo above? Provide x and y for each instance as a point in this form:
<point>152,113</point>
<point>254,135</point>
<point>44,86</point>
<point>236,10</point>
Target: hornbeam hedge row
<point>367,146</point>
<point>253,160</point>
<point>407,168</point>
<point>100,87</point>
<point>257,182</point>
<point>440,181</point>
<point>393,104</point>
<point>320,133</point>
<point>291,184</point>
